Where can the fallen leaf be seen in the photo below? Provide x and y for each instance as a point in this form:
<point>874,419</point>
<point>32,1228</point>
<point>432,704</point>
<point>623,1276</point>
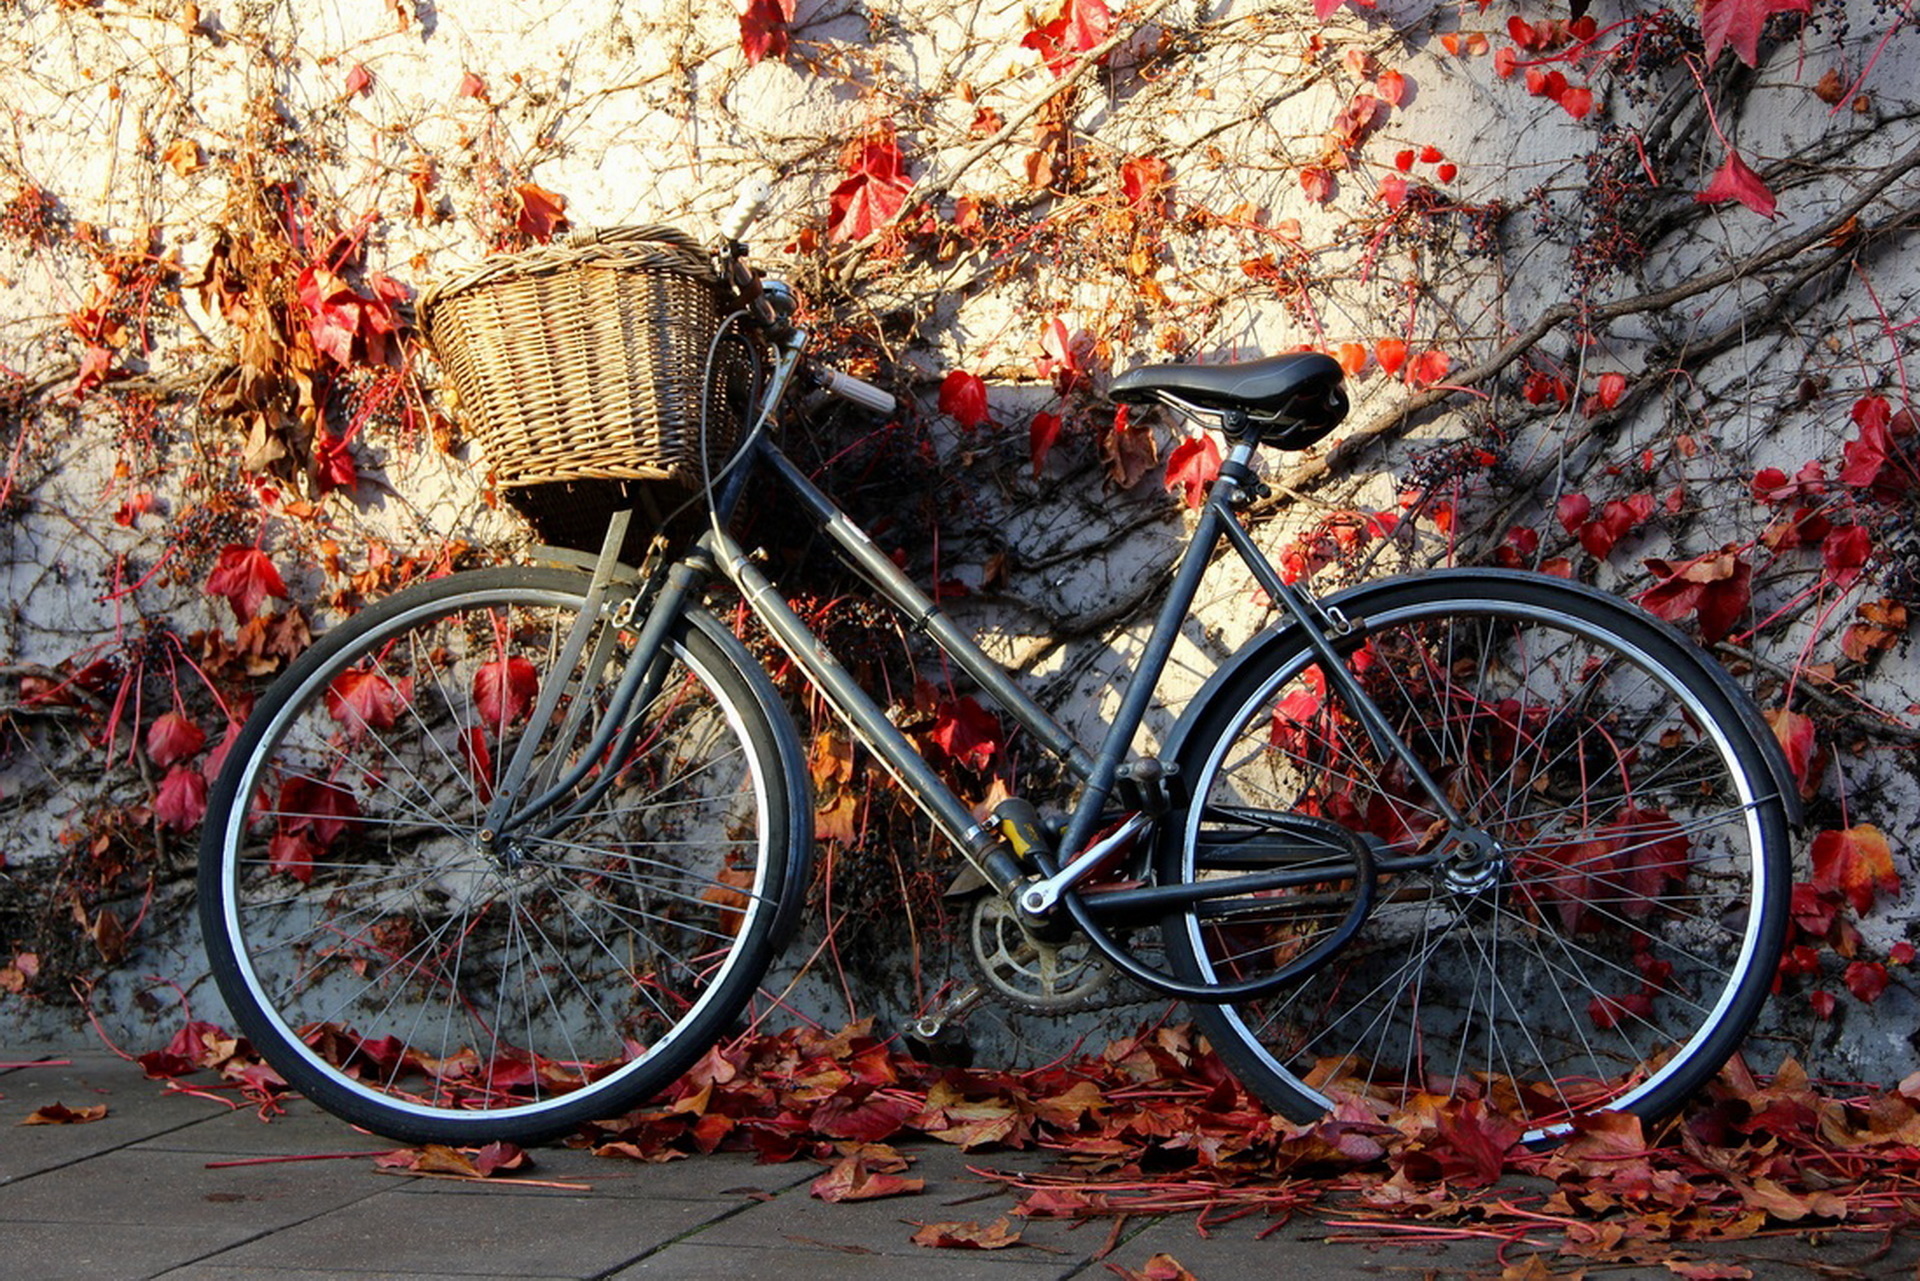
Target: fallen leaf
<point>61,1114</point>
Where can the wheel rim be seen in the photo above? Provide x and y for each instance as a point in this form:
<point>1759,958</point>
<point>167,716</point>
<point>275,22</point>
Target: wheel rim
<point>1596,950</point>
<point>404,961</point>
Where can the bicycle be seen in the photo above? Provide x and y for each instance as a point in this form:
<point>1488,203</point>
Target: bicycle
<point>511,849</point>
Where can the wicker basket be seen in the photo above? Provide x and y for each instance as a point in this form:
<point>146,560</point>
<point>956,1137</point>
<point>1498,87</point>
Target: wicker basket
<point>585,360</point>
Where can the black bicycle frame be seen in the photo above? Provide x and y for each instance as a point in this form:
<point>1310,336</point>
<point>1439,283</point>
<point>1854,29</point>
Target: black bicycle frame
<point>716,551</point>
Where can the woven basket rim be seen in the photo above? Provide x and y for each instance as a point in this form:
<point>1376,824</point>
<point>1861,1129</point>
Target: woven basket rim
<point>648,246</point>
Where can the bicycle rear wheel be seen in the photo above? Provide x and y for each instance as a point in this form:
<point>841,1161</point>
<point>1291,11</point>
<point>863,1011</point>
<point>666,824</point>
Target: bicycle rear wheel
<point>1612,941</point>
<point>416,980</point>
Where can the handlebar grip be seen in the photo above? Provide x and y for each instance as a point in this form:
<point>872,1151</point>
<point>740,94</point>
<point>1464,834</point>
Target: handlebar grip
<point>851,389</point>
<point>735,221</point>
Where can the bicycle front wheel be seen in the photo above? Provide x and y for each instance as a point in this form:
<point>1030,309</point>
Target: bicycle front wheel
<point>428,983</point>
<point>1598,934</point>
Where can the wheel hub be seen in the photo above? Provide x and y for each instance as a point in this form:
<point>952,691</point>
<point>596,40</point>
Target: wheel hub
<point>1475,862</point>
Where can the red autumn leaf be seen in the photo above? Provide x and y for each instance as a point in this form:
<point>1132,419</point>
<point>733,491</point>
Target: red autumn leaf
<point>1392,354</point>
<point>479,759</point>
<point>1393,191</point>
<point>61,1114</point>
<point>1609,1012</point>
<point>1392,87</point>
<point>966,732</point>
<point>1143,179</point>
<point>1573,510</point>
<point>851,1179</point>
<point>537,212</point>
<point>1352,357</point>
<point>1428,368</point>
<point>359,79</point>
<point>1717,586</point>
<point>182,799</point>
<point>1089,23</point>
<point>1739,22</point>
<point>875,188</point>
<point>997,1235</point>
<point>1901,953</point>
<point>341,319</point>
<point>472,86</point>
<point>1822,1003</point>
<point>1577,101</point>
<point>1324,9</point>
<point>1607,392</point>
<point>1875,461</point>
<point>1317,182</point>
<point>1845,553</point>
<point>1866,980</point>
<point>361,699</point>
<point>503,690</point>
<point>963,397</point>
<point>1617,519</point>
<point>245,577</point>
<point>1063,355</point>
<point>293,854</point>
<point>763,28</point>
<point>333,465</point>
<point>1857,863</point>
<point>1795,734</point>
<point>1193,464</point>
<point>1734,180</point>
<point>1403,160</point>
<point>172,738</point>
<point>1041,435</point>
<point>309,804</point>
<point>1505,60</point>
<point>1447,172</point>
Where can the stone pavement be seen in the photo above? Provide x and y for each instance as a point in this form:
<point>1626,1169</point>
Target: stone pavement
<point>153,1190</point>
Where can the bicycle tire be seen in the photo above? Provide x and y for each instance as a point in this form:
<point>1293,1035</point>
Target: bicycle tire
<point>402,974</point>
<point>1617,946</point>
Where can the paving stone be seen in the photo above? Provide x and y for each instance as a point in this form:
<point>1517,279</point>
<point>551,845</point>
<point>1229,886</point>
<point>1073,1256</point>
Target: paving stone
<point>789,1262</point>
<point>481,1232</point>
<point>137,1110</point>
<point>101,1252</point>
<point>177,1190</point>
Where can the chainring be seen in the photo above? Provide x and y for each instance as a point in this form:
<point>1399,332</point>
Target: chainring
<point>1045,978</point>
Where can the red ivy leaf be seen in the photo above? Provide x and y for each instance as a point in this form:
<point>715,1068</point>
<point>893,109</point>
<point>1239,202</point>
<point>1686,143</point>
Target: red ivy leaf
<point>1734,180</point>
<point>182,800</point>
<point>1317,182</point>
<point>312,805</point>
<point>1845,553</point>
<point>763,28</point>
<point>362,699</point>
<point>1717,586</point>
<point>292,854</point>
<point>963,397</point>
<point>333,465</point>
<point>472,86</point>
<point>172,738</point>
<point>537,212</point>
<point>245,577</point>
<point>1193,464</point>
<point>359,80</point>
<point>1392,354</point>
<point>1857,863</point>
<point>875,188</point>
<point>503,690</point>
<point>1041,435</point>
<point>1866,980</point>
<point>1739,22</point>
<point>1795,734</point>
<point>967,732</point>
<point>1428,368</point>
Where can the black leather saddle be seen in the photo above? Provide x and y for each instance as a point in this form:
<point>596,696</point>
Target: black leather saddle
<point>1288,401</point>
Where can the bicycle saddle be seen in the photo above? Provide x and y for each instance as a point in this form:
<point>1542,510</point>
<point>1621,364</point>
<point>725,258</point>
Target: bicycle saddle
<point>1290,401</point>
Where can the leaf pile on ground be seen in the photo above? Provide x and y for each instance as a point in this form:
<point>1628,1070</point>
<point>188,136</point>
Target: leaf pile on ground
<point>1155,1124</point>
